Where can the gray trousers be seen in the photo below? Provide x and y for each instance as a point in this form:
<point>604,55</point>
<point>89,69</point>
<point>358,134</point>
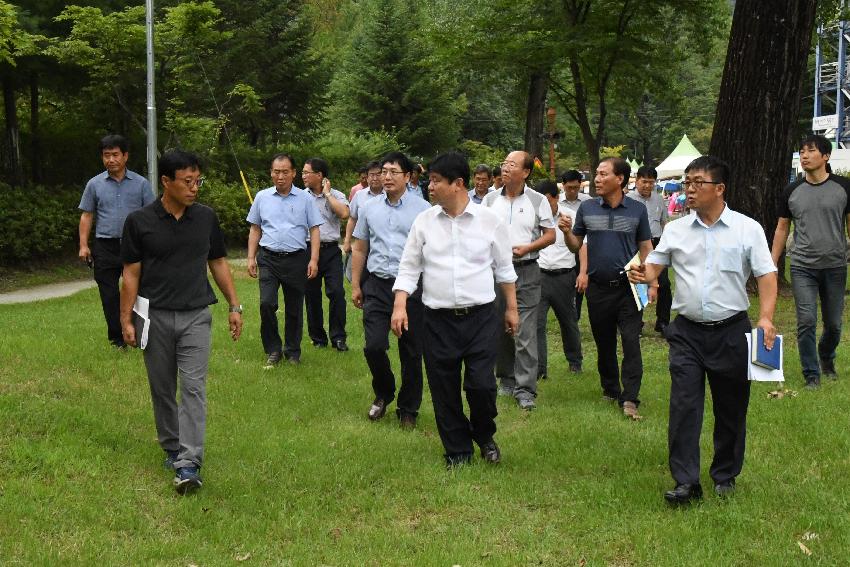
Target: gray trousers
<point>516,365</point>
<point>179,346</point>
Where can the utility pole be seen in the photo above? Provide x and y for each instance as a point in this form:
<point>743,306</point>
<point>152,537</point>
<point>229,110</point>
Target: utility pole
<point>151,138</point>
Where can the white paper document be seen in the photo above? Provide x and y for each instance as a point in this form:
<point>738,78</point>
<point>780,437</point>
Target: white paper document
<point>758,373</point>
<point>141,308</point>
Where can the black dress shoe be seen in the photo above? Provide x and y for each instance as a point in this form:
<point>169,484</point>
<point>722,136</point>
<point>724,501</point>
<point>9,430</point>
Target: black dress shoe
<point>407,421</point>
<point>458,460</point>
<point>340,345</point>
<point>377,409</point>
<point>684,494</point>
<point>490,453</point>
<point>319,344</point>
<point>724,489</point>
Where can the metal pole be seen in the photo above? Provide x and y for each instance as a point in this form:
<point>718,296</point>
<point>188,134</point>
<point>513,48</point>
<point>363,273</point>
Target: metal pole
<point>152,151</point>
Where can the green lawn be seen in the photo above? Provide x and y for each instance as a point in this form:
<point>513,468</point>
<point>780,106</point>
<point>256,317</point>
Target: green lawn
<point>296,475</point>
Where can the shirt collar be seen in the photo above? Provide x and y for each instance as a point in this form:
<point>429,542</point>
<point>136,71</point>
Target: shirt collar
<point>400,199</point>
<point>470,209</point>
<point>725,217</point>
<point>162,213</point>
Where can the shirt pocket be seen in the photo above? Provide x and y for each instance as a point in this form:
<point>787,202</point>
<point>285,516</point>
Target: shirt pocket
<point>477,250</point>
<point>730,259</point>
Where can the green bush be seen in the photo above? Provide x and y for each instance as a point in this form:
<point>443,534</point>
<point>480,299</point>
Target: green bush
<point>37,222</point>
<point>231,204</point>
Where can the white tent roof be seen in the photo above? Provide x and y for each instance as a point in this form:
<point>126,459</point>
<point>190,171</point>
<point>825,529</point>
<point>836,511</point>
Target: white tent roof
<point>678,160</point>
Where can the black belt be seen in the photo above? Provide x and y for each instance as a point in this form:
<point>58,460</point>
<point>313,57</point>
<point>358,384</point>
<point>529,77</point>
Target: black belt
<point>557,272</point>
<point>108,239</point>
<point>722,323</point>
<point>463,311</point>
<point>282,254</point>
<point>329,244</point>
<point>611,283</point>
<point>525,262</point>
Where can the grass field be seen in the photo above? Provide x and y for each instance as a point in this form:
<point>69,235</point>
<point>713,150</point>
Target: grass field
<point>296,475</point>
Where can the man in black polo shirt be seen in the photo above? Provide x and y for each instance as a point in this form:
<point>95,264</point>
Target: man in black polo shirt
<point>616,229</point>
<point>166,247</point>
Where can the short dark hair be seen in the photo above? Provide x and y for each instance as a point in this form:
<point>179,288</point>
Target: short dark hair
<point>620,167</point>
<point>373,165</point>
<point>283,156</point>
<point>362,170</point>
<point>483,168</point>
<point>646,172</point>
<point>528,161</point>
<point>715,166</point>
<point>571,175</point>
<point>821,143</point>
<point>318,164</point>
<point>497,171</point>
<point>399,159</point>
<point>547,187</point>
<point>173,160</point>
<point>115,141</point>
<point>451,165</point>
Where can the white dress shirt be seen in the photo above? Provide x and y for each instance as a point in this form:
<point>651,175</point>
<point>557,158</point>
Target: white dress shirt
<point>557,256</point>
<point>713,263</point>
<point>457,257</point>
<point>525,216</point>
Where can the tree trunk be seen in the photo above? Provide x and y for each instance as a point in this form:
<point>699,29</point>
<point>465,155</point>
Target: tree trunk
<point>13,132</point>
<point>35,133</point>
<point>535,113</point>
<point>759,102</point>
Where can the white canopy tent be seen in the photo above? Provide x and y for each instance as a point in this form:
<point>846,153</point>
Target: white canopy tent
<point>678,160</point>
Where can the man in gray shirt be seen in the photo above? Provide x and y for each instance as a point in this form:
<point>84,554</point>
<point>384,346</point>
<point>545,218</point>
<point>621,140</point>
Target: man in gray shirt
<point>819,205</point>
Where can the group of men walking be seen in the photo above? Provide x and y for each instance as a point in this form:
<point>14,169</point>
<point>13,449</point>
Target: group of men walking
<point>466,285</point>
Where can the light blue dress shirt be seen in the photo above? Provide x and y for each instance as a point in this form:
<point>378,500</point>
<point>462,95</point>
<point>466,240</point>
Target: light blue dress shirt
<point>285,220</point>
<point>385,227</point>
<point>361,198</point>
<point>713,263</point>
<point>111,201</point>
<point>329,230</point>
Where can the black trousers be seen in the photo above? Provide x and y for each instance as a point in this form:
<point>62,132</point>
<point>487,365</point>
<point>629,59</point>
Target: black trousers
<point>290,274</point>
<point>378,298</point>
<point>106,254</point>
<point>611,309</point>
<point>469,341</point>
<point>664,301</point>
<point>719,353</point>
<point>558,292</point>
<point>330,270</point>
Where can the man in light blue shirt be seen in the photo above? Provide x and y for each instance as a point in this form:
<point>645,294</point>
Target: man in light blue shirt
<point>107,200</point>
<point>281,219</point>
<point>713,252</point>
<point>380,235</point>
<point>482,179</point>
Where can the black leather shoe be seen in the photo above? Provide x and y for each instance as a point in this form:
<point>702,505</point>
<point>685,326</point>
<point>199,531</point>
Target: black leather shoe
<point>490,453</point>
<point>458,460</point>
<point>724,489</point>
<point>407,421</point>
<point>827,368</point>
<point>377,409</point>
<point>684,494</point>
<point>340,345</point>
<point>319,344</point>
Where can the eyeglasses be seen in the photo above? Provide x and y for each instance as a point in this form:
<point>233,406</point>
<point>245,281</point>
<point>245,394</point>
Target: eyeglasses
<point>199,182</point>
<point>698,183</point>
<point>304,172</point>
<point>391,172</point>
<point>509,165</point>
<point>376,174</point>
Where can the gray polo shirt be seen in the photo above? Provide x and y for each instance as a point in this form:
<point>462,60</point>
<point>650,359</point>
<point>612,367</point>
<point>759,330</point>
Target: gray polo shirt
<point>819,212</point>
<point>111,201</point>
<point>329,230</point>
<point>655,209</point>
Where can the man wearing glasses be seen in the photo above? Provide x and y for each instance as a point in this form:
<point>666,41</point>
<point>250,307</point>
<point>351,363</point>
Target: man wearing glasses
<point>166,248</point>
<point>282,218</point>
<point>332,206</point>
<point>531,228</point>
<point>380,235</point>
<point>376,187</point>
<point>713,251</point>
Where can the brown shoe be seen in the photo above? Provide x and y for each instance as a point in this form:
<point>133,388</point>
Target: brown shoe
<point>407,421</point>
<point>377,409</point>
<point>630,410</point>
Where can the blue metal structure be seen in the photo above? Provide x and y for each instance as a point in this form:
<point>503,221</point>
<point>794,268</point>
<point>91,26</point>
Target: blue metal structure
<point>831,114</point>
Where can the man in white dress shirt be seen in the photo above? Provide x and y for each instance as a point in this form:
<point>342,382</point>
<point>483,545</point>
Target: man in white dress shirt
<point>458,247</point>
<point>713,252</point>
<point>557,289</point>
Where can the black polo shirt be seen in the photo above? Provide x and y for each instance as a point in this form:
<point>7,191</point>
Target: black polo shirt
<point>613,235</point>
<point>174,254</point>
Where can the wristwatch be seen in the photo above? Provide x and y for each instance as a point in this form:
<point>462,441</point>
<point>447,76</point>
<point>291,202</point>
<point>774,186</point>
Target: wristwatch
<point>236,309</point>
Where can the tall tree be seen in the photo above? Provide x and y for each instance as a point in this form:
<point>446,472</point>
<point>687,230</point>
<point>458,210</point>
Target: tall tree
<point>759,102</point>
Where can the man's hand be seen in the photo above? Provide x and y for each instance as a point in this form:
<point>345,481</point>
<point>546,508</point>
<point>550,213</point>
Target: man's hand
<point>235,320</point>
<point>252,267</point>
<point>769,332</point>
<point>511,321</point>
<point>398,323</point>
<point>326,186</point>
<point>637,273</point>
<point>565,222</point>
<point>129,332</point>
<point>357,297</point>
<point>520,251</point>
<point>346,247</point>
<point>85,254</point>
<point>581,283</point>
<point>312,269</point>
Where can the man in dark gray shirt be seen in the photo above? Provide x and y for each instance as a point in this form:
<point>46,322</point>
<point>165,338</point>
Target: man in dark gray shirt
<point>819,205</point>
